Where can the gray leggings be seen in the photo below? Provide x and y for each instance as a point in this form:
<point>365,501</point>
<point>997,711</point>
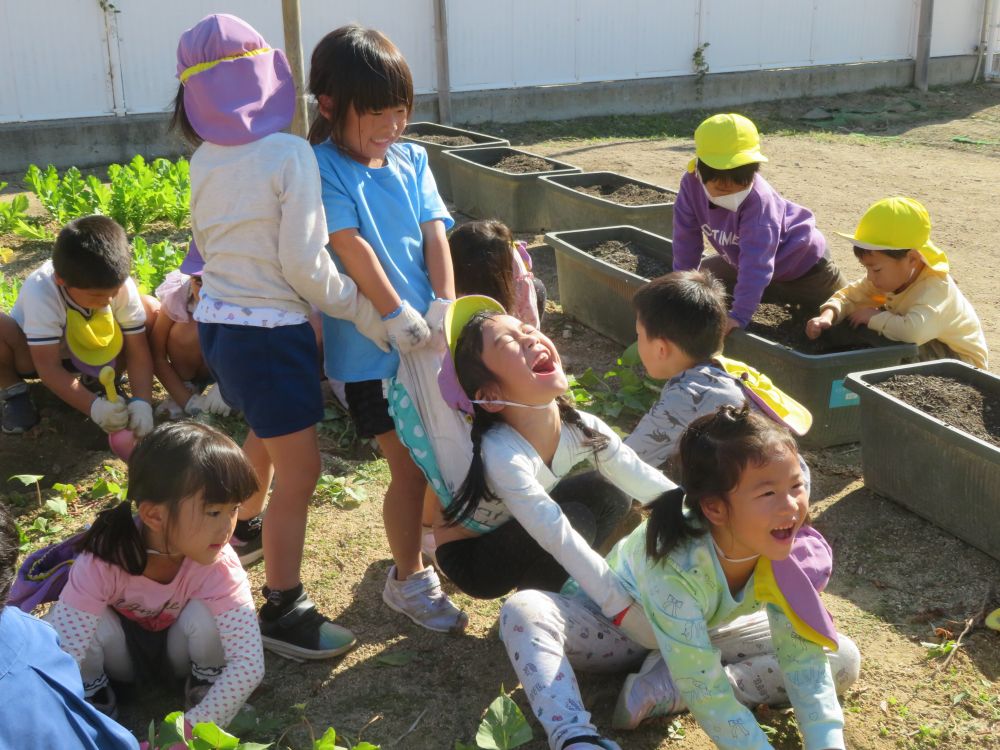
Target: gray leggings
<point>548,635</point>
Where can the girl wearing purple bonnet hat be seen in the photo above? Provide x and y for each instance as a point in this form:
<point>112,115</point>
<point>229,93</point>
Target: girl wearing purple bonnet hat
<point>257,219</point>
<point>386,225</point>
<point>725,575</point>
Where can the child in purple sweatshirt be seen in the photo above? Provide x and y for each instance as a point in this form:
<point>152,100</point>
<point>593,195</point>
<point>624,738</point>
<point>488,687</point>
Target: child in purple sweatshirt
<point>769,248</point>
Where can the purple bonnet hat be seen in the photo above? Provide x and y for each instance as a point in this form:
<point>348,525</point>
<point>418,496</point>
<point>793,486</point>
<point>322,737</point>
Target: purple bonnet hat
<point>193,264</point>
<point>236,88</point>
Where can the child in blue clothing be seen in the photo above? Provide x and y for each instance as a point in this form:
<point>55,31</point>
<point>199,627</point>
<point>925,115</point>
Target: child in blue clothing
<point>387,227</point>
<point>733,541</point>
<point>41,693</point>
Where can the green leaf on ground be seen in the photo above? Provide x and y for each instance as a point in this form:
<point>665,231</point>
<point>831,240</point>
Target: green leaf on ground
<point>504,726</point>
<point>396,658</point>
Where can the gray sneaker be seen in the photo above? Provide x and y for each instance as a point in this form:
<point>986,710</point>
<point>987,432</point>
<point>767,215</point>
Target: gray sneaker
<point>648,693</point>
<point>590,743</point>
<point>421,599</point>
<point>17,413</point>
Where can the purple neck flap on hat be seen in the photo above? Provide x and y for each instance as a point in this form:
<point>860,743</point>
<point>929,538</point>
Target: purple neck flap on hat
<point>235,101</point>
<point>802,575</point>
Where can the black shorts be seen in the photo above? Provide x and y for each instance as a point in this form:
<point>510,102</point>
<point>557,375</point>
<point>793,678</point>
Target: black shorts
<point>368,408</point>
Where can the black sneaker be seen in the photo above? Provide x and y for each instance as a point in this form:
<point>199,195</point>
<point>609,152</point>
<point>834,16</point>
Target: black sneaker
<point>105,701</point>
<point>301,632</point>
<point>195,690</point>
<point>19,413</point>
<point>247,540</point>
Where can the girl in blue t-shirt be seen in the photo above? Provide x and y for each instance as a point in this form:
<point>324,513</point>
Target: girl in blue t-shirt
<point>387,227</point>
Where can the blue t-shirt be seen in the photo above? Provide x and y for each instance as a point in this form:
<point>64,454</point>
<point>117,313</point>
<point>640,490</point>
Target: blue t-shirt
<point>41,693</point>
<point>387,206</point>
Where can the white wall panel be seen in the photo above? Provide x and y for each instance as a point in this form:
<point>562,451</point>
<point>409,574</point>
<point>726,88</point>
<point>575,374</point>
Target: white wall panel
<point>481,44</point>
<point>492,43</point>
<point>408,23</point>
<point>956,27</point>
<point>147,44</point>
<point>863,30</point>
<point>666,33</point>
<point>544,42</point>
<point>55,61</point>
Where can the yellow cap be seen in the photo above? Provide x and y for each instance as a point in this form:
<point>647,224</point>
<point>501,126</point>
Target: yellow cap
<point>898,223</point>
<point>95,340</point>
<point>461,312</point>
<point>726,142</point>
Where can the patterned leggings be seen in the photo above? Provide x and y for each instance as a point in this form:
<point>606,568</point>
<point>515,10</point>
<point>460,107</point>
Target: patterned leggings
<point>548,635</point>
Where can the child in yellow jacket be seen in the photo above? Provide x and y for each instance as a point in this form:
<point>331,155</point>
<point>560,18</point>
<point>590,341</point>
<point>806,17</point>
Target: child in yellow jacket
<point>907,293</point>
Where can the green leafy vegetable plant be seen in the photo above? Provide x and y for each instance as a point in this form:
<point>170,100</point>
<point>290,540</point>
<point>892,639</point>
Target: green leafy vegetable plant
<point>152,263</point>
<point>341,492</point>
<point>636,392</point>
<point>9,289</point>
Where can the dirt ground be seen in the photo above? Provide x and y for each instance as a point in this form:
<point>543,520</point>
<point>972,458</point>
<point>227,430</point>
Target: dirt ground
<point>899,582</point>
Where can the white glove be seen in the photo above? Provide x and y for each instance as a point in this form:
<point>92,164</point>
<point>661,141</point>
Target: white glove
<point>407,329</point>
<point>636,626</point>
<point>214,403</point>
<point>109,416</point>
<point>370,323</point>
<point>140,417</point>
<point>434,317</point>
<point>435,314</point>
<point>169,408</point>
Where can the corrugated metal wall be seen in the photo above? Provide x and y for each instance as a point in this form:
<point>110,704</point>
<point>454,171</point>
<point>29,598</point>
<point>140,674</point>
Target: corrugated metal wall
<point>70,58</point>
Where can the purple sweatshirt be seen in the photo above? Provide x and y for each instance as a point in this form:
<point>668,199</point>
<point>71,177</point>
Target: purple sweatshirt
<point>767,239</point>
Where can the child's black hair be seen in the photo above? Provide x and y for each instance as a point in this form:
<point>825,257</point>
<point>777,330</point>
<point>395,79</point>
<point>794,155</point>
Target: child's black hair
<point>356,67</point>
<point>92,252</point>
<point>9,547</point>
<point>742,175</point>
<point>687,308</point>
<point>481,256</point>
<point>714,451</point>
<point>861,252</point>
<point>175,461</point>
<point>473,375</point>
<point>179,120</point>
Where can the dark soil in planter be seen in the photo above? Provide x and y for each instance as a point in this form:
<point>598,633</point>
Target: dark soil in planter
<point>786,325</point>
<point>445,140</point>
<point>629,257</point>
<point>961,405</point>
<point>628,194</point>
<point>522,164</point>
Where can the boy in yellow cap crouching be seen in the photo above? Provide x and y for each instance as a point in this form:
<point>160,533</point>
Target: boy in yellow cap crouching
<point>74,314</point>
<point>769,248</point>
<point>907,293</point>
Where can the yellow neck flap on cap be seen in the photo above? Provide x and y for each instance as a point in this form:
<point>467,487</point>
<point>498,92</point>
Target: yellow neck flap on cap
<point>95,340</point>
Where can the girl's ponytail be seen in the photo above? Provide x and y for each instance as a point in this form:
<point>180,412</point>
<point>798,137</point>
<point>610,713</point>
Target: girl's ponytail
<point>593,439</point>
<point>115,538</point>
<point>475,488</point>
<point>668,524</point>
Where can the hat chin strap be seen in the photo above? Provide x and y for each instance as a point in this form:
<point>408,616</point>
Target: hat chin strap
<point>491,402</point>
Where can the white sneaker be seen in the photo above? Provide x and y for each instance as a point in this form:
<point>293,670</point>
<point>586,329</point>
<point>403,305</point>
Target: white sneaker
<point>421,599</point>
<point>650,692</point>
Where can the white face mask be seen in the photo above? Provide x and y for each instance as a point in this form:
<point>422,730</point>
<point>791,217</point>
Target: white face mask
<point>729,202</point>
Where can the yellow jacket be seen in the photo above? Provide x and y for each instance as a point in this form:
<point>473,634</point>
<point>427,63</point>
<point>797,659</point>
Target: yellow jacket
<point>932,308</point>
